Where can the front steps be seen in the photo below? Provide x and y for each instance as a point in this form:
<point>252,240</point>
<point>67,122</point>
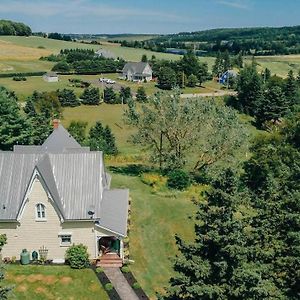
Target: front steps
<point>110,260</point>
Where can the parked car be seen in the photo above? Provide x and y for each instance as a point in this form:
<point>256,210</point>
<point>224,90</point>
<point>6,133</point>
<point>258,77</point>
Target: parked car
<point>109,81</point>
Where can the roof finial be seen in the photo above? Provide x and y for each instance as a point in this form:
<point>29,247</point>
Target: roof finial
<point>55,123</point>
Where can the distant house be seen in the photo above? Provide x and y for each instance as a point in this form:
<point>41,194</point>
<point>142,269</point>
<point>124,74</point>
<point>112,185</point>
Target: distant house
<point>105,53</point>
<point>50,77</point>
<point>58,194</point>
<point>137,71</point>
<point>226,76</point>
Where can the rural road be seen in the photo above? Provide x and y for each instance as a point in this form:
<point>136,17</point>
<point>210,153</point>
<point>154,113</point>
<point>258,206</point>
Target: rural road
<point>218,93</point>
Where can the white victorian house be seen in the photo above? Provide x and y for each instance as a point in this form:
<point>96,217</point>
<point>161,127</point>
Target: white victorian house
<point>57,194</point>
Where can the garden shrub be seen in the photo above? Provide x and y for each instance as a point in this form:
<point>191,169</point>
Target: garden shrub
<point>125,269</point>
<point>178,180</point>
<point>99,270</point>
<point>77,256</point>
<point>136,286</point>
<point>19,78</point>
<point>108,287</point>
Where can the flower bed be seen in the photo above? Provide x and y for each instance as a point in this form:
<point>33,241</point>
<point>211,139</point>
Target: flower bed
<point>106,283</point>
<point>133,283</point>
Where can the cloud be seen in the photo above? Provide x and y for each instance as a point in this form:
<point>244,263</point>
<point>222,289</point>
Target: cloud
<point>81,9</point>
<point>235,4</point>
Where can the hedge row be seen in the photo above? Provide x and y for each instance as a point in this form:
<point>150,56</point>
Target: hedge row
<point>26,74</point>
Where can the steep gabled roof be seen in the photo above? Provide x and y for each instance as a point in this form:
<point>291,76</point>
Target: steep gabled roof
<point>16,171</point>
<point>74,177</point>
<point>59,140</point>
<point>135,67</point>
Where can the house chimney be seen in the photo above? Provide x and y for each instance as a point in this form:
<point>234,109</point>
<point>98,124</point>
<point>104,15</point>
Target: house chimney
<point>55,123</point>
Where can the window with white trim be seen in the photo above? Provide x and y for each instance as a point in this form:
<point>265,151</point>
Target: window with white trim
<point>40,211</point>
<point>65,239</point>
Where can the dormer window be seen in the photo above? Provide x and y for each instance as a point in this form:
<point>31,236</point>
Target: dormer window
<point>40,212</point>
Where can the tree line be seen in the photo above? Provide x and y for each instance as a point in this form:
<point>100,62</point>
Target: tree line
<point>187,71</point>
<point>33,125</point>
<point>266,97</point>
<point>8,27</point>
<point>83,61</point>
<point>249,41</point>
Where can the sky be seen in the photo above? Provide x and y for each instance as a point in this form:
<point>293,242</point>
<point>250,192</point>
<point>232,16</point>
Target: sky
<point>148,16</point>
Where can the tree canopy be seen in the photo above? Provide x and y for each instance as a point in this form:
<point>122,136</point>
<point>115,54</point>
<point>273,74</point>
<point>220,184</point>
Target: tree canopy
<point>173,129</point>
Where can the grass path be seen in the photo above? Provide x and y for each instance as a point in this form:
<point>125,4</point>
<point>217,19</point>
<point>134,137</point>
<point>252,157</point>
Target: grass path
<point>155,220</point>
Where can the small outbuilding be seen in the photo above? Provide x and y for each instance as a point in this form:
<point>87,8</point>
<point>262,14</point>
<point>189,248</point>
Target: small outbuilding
<point>226,76</point>
<point>105,54</point>
<point>51,77</point>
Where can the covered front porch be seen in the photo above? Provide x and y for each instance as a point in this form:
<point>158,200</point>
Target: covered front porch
<point>110,251</point>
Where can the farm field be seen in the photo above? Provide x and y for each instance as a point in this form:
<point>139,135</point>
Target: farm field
<point>54,46</point>
<point>279,65</point>
<point>53,282</point>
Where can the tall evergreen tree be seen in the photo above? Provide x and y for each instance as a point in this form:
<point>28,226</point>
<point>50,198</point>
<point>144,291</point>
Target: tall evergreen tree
<point>272,106</point>
<point>110,141</point>
<point>290,88</point>
<point>14,127</point>
<point>226,61</point>
<point>125,94</point>
<point>272,175</point>
<point>218,65</point>
<point>141,95</point>
<point>67,97</point>
<point>218,265</point>
<point>102,139</point>
<point>110,96</point>
<point>77,129</point>
<point>91,96</point>
<point>250,89</point>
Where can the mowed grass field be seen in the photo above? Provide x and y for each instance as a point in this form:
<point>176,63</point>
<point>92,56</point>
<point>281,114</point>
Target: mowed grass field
<point>279,65</point>
<point>53,282</point>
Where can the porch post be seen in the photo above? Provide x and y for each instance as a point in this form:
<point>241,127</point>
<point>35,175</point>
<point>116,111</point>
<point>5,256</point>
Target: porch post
<point>121,249</point>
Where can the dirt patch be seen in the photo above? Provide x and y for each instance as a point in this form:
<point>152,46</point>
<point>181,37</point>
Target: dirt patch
<point>21,288</point>
<point>19,278</point>
<point>50,279</point>
<point>34,277</point>
<point>66,280</point>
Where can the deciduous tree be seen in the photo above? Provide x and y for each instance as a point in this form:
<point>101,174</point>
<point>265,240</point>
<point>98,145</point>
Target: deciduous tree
<point>173,129</point>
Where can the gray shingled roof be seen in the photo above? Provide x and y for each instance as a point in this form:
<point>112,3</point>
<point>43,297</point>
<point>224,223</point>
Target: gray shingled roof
<point>76,181</point>
<point>135,67</point>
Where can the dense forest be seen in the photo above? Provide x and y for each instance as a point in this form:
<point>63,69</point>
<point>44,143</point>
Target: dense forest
<point>254,41</point>
<point>14,28</point>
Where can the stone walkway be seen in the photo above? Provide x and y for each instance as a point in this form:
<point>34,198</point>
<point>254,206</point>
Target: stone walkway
<point>120,284</point>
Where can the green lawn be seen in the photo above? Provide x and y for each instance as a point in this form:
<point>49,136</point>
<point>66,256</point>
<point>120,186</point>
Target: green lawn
<point>108,114</point>
<point>53,282</point>
<point>155,219</point>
